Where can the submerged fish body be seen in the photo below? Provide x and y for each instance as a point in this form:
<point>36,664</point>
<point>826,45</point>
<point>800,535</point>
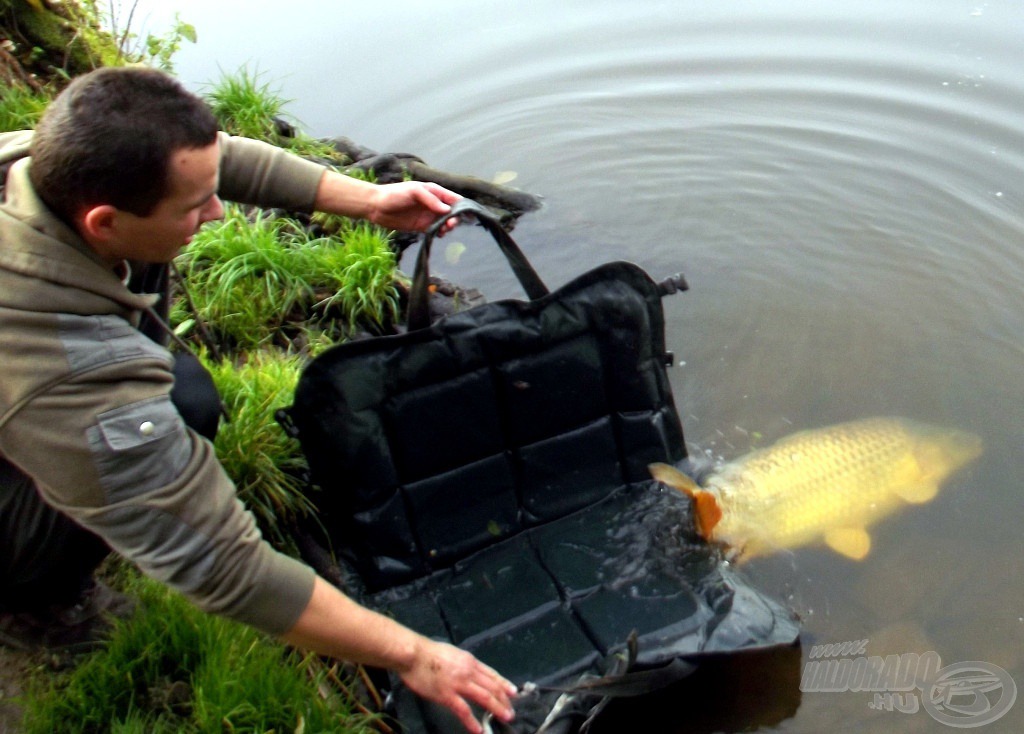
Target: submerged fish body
<point>825,484</point>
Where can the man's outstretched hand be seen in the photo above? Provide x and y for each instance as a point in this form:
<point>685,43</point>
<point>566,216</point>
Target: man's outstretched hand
<point>453,677</point>
<point>333,624</point>
<point>411,206</point>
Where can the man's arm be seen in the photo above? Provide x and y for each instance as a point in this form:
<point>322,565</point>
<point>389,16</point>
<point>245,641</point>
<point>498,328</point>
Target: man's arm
<point>332,624</point>
<point>410,206</point>
<point>253,172</point>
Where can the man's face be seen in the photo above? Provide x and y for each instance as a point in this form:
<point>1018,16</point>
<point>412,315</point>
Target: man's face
<point>191,200</point>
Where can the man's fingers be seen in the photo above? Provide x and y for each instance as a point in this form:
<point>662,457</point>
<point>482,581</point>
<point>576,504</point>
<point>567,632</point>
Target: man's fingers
<point>491,679</point>
<point>448,197</point>
<point>465,714</point>
<point>434,197</point>
<point>490,690</point>
<point>495,701</point>
<point>455,679</point>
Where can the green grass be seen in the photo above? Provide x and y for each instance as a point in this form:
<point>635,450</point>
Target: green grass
<point>245,277</point>
<point>246,105</point>
<point>263,461</point>
<point>172,668</point>
<point>263,281</point>
<point>361,275</point>
<point>20,107</point>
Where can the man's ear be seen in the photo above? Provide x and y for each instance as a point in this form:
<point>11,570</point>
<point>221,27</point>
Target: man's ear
<point>99,223</point>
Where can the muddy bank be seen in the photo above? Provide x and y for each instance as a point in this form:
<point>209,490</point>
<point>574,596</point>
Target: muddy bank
<point>14,670</point>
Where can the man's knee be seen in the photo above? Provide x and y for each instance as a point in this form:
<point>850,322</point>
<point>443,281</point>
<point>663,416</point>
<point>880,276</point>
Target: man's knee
<point>45,557</point>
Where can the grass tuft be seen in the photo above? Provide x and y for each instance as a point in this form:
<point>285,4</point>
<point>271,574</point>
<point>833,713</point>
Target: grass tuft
<point>244,277</point>
<point>265,463</point>
<point>246,105</point>
<point>257,282</point>
<point>361,275</point>
<point>20,107</point>
<point>173,668</point>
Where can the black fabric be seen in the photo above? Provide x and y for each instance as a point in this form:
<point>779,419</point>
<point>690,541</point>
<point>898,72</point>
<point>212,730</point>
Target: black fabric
<point>436,443</point>
<point>152,278</point>
<point>486,480</point>
<point>195,395</point>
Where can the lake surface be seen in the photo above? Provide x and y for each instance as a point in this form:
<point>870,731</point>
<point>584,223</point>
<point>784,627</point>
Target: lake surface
<point>842,185</point>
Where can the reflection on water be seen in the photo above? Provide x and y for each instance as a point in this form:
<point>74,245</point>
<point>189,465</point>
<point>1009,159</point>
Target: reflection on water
<point>841,184</point>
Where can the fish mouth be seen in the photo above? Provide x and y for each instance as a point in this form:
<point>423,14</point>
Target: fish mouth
<point>949,451</point>
<point>964,447</point>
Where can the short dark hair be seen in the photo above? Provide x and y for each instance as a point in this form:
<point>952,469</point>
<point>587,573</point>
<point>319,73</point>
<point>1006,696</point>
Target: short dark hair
<point>108,139</point>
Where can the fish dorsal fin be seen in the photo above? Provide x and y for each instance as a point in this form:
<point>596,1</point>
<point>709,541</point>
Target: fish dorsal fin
<point>917,493</point>
<point>854,543</point>
<point>706,510</point>
<point>672,477</point>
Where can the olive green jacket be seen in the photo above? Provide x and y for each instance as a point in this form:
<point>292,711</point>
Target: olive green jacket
<point>85,408</point>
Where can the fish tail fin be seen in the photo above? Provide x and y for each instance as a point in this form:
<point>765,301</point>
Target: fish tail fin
<point>707,512</point>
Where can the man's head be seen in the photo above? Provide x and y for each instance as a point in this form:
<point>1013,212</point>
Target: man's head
<point>129,158</point>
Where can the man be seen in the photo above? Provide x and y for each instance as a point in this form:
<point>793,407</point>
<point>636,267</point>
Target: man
<point>123,169</point>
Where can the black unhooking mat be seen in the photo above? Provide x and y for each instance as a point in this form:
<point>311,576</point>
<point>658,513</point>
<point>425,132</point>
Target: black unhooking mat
<point>485,477</point>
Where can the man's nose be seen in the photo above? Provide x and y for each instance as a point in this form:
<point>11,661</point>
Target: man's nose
<point>214,210</point>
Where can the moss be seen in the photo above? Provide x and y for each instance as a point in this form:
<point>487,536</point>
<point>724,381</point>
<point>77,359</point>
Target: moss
<point>64,40</point>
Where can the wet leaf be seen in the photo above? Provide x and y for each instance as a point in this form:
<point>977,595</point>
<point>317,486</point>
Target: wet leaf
<point>453,252</point>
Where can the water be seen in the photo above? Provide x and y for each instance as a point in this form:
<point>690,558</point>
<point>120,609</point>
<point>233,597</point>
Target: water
<point>843,186</point>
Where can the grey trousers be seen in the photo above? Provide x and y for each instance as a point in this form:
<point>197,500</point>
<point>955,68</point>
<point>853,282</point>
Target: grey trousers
<point>46,558</point>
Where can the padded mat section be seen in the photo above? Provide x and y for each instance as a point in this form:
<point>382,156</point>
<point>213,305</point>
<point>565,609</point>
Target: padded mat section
<point>558,599</point>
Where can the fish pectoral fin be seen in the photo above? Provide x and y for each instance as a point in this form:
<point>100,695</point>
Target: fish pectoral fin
<point>707,513</point>
<point>917,493</point>
<point>706,510</point>
<point>854,543</point>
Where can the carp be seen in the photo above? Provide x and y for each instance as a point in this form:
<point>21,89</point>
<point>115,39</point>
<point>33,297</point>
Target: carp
<point>823,484</point>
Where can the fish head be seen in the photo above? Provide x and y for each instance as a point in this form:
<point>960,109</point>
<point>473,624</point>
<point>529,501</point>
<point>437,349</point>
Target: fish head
<point>940,452</point>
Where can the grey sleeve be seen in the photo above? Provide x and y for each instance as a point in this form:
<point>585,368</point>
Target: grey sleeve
<point>254,172</point>
<point>124,465</point>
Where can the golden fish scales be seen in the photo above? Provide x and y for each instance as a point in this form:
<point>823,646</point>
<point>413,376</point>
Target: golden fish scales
<point>781,496</point>
<point>831,483</point>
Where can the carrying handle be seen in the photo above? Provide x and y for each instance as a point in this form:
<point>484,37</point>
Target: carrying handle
<point>419,314</point>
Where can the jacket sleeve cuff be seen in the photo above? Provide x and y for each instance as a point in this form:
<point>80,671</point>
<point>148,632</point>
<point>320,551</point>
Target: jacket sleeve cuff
<point>278,602</point>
